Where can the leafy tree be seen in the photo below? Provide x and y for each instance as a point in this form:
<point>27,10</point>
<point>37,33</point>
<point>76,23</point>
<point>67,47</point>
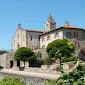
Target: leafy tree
<point>61,48</point>
<point>82,54</point>
<point>3,51</point>
<point>23,54</point>
<point>11,81</point>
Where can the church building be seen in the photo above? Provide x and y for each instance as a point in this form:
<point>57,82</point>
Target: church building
<point>40,39</point>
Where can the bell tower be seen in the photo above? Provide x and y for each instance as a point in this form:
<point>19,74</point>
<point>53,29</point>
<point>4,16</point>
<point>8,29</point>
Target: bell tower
<point>50,24</point>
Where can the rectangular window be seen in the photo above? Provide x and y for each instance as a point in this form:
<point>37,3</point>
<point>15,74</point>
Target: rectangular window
<point>56,35</point>
<point>31,37</point>
<point>68,34</point>
<point>84,35</point>
<point>48,38</point>
<point>75,34</point>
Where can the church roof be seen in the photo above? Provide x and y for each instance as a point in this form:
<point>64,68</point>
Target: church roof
<point>33,30</point>
<point>64,27</point>
<point>50,18</point>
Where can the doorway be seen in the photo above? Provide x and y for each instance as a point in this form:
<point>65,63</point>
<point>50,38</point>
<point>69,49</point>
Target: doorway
<point>11,64</point>
<point>18,63</point>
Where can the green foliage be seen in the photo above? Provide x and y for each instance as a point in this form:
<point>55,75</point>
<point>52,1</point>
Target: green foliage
<point>76,77</point>
<point>47,61</point>
<point>34,62</point>
<point>38,54</point>
<point>60,48</point>
<point>23,54</point>
<point>11,81</point>
<point>30,84</point>
<point>33,59</point>
<point>3,51</point>
<point>68,59</point>
<point>48,83</point>
<point>59,68</point>
<point>73,78</point>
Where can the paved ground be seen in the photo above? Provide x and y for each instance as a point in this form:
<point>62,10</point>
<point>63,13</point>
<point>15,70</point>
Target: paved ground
<point>32,74</point>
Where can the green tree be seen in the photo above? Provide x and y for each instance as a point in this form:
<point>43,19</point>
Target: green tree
<point>60,48</point>
<point>11,81</point>
<point>23,54</point>
<point>3,51</point>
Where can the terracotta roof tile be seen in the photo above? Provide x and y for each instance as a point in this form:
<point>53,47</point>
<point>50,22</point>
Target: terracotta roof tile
<point>33,30</point>
<point>73,27</point>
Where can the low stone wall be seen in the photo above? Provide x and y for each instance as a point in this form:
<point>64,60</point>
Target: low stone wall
<point>44,69</point>
<point>5,60</point>
<point>26,79</point>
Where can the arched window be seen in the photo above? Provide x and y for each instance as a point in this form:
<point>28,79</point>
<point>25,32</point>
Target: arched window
<point>56,35</point>
<point>18,45</point>
<point>48,38</point>
<point>43,39</point>
<point>77,44</point>
<point>43,46</point>
<point>18,36</point>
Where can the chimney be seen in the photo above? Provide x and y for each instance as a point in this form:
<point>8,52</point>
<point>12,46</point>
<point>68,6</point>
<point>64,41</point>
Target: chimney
<point>66,23</point>
<point>19,25</point>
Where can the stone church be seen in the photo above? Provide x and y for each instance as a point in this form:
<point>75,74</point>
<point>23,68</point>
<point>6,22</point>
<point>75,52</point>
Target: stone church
<point>38,40</point>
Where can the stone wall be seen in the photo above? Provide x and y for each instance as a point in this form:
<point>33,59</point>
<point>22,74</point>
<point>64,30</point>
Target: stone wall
<point>44,69</point>
<point>5,60</point>
<point>27,79</point>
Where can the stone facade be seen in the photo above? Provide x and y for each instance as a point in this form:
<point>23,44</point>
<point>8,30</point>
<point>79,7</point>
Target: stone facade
<point>6,60</point>
<point>26,38</point>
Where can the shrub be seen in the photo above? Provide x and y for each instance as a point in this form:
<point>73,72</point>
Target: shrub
<point>11,81</point>
<point>59,68</point>
<point>68,59</point>
<point>47,61</point>
<point>34,62</point>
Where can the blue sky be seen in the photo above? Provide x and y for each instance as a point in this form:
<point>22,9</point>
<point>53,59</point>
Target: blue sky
<point>32,14</point>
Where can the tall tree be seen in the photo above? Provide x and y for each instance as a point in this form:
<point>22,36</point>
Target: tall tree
<point>23,54</point>
<point>61,48</point>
